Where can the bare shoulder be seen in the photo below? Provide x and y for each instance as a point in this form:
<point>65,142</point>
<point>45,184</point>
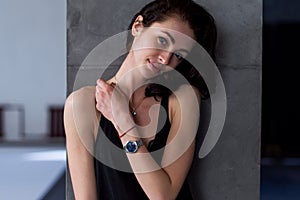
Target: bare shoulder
<point>81,106</point>
<point>82,99</point>
<point>82,96</point>
<point>186,96</point>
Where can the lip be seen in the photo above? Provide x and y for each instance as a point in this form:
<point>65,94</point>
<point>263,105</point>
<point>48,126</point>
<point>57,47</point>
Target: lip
<point>153,66</point>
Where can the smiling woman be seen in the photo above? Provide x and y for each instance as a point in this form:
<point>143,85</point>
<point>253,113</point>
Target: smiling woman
<point>152,160</point>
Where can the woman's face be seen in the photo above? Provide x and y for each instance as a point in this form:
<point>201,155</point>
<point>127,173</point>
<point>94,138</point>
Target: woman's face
<point>161,46</point>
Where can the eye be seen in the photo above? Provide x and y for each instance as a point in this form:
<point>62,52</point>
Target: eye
<point>178,55</point>
<point>163,41</point>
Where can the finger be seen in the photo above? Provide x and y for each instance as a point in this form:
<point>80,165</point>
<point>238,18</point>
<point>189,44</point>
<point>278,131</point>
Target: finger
<point>102,84</point>
<point>99,81</point>
<point>97,91</point>
<point>100,93</point>
<point>98,106</point>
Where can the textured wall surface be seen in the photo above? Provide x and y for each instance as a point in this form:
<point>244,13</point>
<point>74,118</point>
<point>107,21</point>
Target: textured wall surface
<point>231,170</point>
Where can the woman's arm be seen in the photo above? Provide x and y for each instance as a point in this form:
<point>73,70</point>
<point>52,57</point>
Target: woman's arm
<point>165,183</point>
<point>158,182</point>
<point>81,123</point>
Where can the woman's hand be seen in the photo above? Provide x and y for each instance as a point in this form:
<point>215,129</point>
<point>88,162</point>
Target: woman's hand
<point>104,98</point>
<point>113,104</point>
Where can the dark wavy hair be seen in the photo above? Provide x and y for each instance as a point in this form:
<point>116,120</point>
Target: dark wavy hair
<point>199,20</point>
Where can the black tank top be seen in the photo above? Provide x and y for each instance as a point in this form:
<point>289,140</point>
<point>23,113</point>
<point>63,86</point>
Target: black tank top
<point>114,183</point>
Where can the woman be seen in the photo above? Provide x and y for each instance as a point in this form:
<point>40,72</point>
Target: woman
<point>158,45</point>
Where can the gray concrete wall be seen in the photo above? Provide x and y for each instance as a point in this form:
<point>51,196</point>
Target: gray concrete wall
<point>232,169</point>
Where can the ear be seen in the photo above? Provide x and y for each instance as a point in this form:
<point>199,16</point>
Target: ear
<point>137,26</point>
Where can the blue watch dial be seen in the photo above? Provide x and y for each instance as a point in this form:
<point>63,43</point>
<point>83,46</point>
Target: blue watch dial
<point>132,146</point>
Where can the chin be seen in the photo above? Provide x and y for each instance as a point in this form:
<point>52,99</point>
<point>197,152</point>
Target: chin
<point>148,73</point>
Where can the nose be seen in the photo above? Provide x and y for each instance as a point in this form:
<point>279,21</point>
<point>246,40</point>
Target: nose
<point>165,57</point>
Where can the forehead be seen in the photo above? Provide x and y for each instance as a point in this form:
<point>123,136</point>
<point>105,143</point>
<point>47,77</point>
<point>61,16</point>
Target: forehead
<point>179,29</point>
<point>176,24</point>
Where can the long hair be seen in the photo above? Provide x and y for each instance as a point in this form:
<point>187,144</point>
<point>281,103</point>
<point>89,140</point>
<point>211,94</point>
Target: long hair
<point>199,20</point>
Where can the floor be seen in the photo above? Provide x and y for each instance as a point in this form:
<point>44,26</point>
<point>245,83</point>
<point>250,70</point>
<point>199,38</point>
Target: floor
<point>38,173</point>
<point>30,172</point>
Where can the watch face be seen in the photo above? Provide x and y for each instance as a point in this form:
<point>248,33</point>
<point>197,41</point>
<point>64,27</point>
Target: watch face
<point>131,147</point>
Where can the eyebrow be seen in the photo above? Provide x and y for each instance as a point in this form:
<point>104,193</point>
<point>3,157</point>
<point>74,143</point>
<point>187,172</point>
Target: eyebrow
<point>170,36</point>
<point>173,41</point>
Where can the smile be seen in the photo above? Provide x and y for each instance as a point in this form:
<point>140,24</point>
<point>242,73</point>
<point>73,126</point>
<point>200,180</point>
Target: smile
<point>155,67</point>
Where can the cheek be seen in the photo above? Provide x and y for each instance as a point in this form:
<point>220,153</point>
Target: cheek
<point>143,53</point>
<point>145,41</point>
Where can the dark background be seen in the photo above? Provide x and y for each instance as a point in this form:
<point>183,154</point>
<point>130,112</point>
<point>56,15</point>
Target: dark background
<point>280,77</point>
<point>280,136</point>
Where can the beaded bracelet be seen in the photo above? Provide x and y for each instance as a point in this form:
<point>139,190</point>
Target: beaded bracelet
<point>120,136</point>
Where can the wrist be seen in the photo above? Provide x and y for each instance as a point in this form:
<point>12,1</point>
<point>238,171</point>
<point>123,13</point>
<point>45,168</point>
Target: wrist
<point>132,134</point>
<point>123,128</point>
<point>125,132</point>
<point>132,146</point>
<point>131,141</point>
<point>123,123</point>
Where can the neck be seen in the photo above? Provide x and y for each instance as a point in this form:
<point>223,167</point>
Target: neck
<point>129,80</point>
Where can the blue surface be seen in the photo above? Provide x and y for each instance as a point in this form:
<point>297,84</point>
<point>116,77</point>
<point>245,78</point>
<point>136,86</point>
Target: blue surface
<point>280,180</point>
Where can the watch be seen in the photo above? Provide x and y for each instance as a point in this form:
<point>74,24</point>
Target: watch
<point>132,146</point>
